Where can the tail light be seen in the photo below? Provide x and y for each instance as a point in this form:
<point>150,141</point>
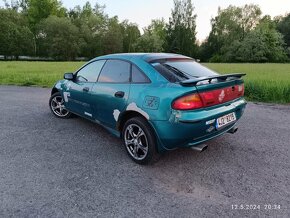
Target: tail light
<point>209,98</point>
<point>188,102</point>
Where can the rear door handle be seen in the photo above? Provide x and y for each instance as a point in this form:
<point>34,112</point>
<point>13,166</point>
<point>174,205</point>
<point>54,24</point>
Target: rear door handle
<point>86,89</point>
<point>119,94</point>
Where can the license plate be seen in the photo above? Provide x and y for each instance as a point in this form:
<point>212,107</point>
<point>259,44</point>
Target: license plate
<point>225,120</point>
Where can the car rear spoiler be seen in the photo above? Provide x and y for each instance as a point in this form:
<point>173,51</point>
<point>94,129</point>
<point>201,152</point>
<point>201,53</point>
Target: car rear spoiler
<point>193,82</point>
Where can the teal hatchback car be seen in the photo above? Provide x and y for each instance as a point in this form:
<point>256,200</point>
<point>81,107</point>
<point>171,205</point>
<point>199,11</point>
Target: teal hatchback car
<point>154,102</point>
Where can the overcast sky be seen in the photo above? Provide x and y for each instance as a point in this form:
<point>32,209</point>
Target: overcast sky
<point>143,11</point>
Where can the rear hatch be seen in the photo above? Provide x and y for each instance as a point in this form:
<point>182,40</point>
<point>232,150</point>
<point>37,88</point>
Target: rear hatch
<point>212,88</point>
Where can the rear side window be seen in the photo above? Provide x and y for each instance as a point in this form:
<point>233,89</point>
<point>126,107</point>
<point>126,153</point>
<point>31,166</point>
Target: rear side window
<point>167,73</point>
<point>179,70</point>
<point>90,72</point>
<point>115,71</point>
<point>138,76</point>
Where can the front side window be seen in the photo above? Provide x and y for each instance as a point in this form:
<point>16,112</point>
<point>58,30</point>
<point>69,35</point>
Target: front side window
<point>115,71</point>
<point>90,72</point>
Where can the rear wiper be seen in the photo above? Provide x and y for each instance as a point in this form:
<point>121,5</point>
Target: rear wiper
<point>177,71</point>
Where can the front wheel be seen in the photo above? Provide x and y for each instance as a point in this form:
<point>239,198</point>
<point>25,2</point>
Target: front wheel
<point>56,104</point>
<point>139,140</point>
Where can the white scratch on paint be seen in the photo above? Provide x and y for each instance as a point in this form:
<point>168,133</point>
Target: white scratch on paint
<point>134,107</point>
<point>68,86</point>
<point>88,114</point>
<point>175,116</point>
<point>116,114</point>
<point>65,96</point>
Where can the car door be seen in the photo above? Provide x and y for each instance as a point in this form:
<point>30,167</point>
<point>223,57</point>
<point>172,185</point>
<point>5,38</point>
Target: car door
<point>78,91</point>
<point>110,94</point>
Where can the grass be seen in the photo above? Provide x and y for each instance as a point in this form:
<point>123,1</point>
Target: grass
<point>43,74</point>
<point>264,82</point>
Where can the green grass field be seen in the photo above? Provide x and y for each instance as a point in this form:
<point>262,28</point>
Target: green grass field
<point>264,82</point>
<point>43,74</point>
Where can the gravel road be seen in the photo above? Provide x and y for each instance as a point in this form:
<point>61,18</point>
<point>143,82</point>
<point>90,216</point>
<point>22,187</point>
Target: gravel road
<point>51,167</point>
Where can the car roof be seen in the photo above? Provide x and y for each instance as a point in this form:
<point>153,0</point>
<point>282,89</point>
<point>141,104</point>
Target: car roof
<point>148,57</point>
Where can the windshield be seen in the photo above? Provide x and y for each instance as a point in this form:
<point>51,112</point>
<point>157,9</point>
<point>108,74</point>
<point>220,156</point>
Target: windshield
<point>179,70</point>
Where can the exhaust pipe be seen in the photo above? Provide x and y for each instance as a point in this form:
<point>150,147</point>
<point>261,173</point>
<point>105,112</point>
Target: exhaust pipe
<point>233,130</point>
<point>200,148</point>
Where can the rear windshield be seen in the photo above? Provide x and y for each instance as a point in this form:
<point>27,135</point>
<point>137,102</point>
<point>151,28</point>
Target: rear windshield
<point>179,70</point>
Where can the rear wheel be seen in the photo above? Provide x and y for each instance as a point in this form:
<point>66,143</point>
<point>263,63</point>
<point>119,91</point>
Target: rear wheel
<point>139,140</point>
<point>56,104</point>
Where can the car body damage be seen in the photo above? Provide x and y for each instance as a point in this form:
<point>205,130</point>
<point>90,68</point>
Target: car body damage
<point>180,102</point>
<point>133,107</point>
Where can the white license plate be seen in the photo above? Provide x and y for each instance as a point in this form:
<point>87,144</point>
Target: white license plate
<point>225,120</point>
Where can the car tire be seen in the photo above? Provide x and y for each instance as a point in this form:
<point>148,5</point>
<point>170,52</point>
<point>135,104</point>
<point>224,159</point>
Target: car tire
<point>140,141</point>
<point>56,105</point>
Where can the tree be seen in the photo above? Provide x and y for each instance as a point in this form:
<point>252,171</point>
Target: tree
<point>273,39</point>
<point>231,24</point>
<point>130,33</point>
<point>17,5</point>
<point>181,34</point>
<point>37,10</point>
<point>158,28</point>
<point>15,37</point>
<point>234,23</point>
<point>283,27</point>
<point>13,5</point>
<point>23,5</point>
<point>263,44</point>
<point>149,43</point>
<point>206,50</point>
<point>92,25</point>
<point>153,38</point>
<point>58,38</point>
<point>113,38</point>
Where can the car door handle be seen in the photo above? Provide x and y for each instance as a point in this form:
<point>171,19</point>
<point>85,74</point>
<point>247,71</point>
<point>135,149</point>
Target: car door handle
<point>86,89</point>
<point>119,94</point>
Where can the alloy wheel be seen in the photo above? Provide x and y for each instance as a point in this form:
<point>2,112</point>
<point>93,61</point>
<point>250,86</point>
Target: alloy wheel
<point>57,107</point>
<point>136,141</point>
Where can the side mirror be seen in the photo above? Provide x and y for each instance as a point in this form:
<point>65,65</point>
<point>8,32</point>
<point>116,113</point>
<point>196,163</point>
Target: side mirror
<point>68,76</point>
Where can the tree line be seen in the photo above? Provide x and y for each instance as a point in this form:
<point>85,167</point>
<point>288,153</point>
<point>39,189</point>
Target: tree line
<point>44,28</point>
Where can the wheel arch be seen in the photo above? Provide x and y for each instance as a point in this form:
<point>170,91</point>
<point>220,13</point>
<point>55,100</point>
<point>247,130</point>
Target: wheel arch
<point>54,90</point>
<point>128,115</point>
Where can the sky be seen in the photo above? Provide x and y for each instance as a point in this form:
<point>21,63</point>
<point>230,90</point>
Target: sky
<point>143,11</point>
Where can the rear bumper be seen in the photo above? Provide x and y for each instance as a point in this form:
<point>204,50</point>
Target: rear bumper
<point>189,128</point>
